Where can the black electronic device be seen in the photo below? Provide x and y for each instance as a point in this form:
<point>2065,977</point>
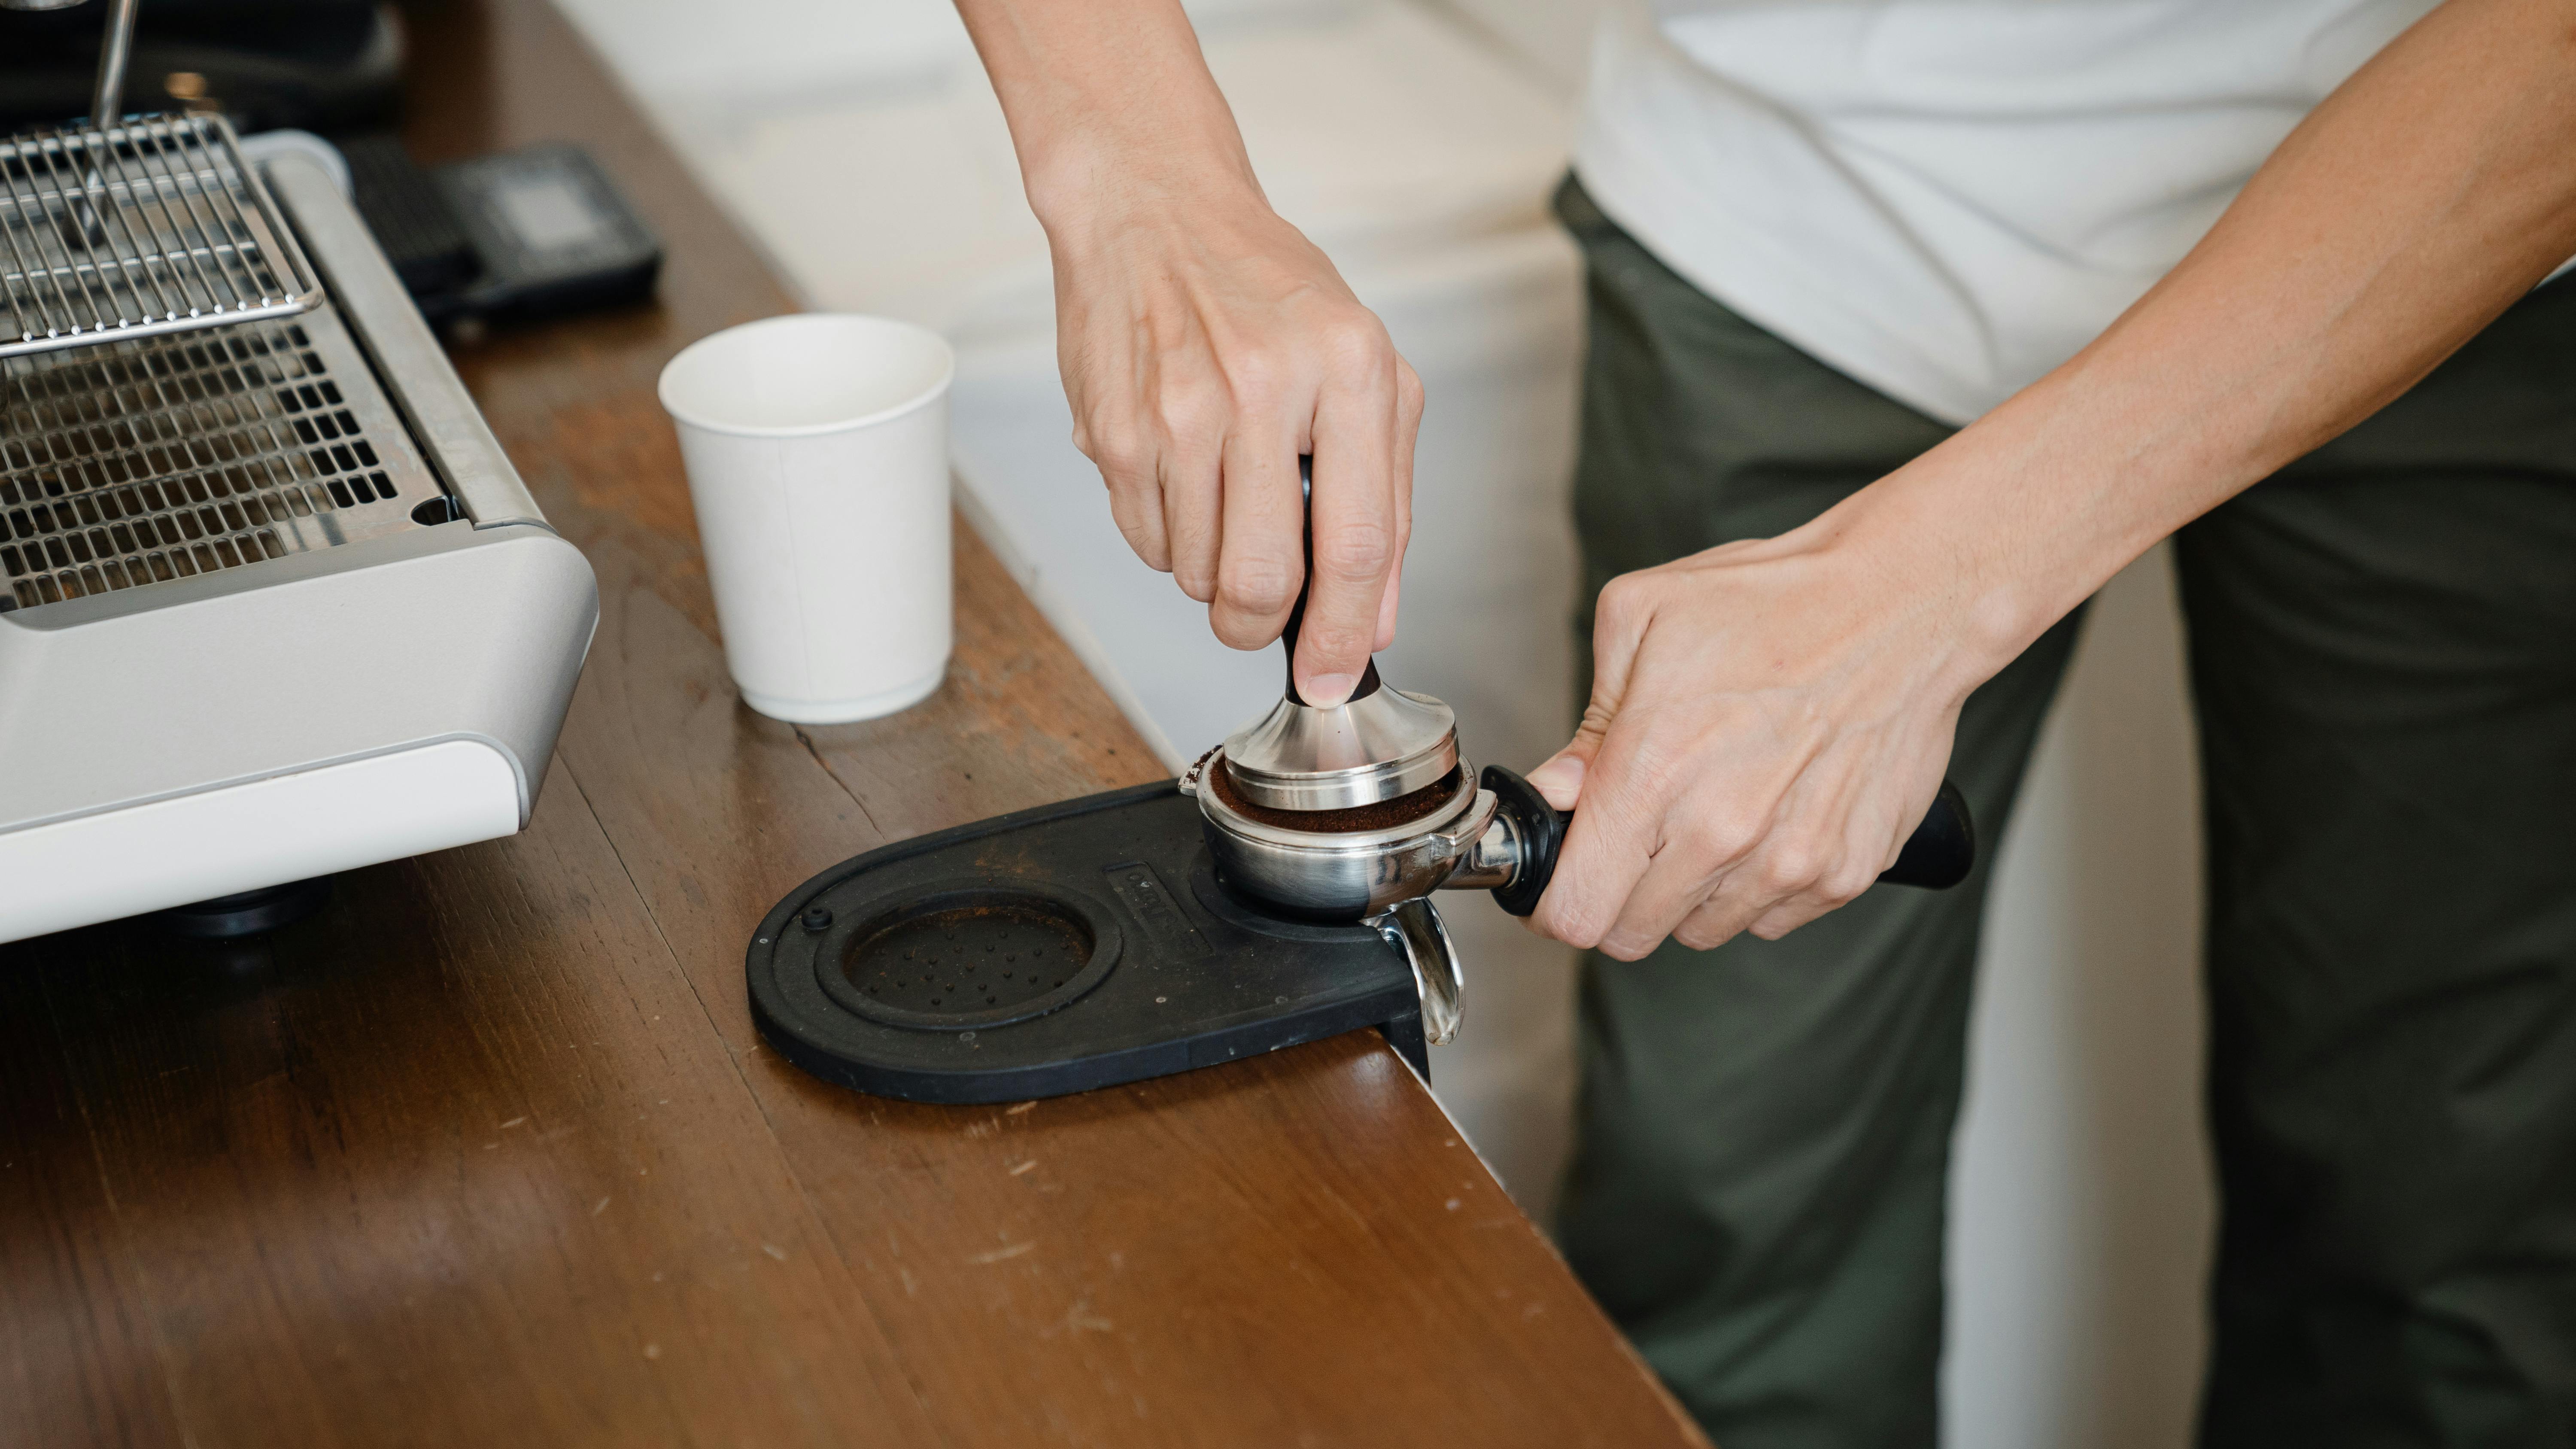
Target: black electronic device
<point>1056,950</point>
<point>522,235</point>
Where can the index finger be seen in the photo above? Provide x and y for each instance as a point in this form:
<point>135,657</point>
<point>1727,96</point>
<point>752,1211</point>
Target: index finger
<point>1352,516</point>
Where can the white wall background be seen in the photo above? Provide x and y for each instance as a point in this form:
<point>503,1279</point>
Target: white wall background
<point>1416,142</point>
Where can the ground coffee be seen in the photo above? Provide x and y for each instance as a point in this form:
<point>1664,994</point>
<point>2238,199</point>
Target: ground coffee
<point>1384,815</point>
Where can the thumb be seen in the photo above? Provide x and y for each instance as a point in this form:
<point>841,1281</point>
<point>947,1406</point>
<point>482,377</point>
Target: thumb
<point>1614,650</point>
<point>1560,780</point>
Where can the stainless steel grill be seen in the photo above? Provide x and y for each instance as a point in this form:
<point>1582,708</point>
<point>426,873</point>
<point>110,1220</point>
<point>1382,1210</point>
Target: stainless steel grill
<point>130,463</point>
<point>151,226</point>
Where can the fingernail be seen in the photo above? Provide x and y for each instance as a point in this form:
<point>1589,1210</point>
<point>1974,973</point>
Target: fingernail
<point>1324,691</point>
<point>1560,780</point>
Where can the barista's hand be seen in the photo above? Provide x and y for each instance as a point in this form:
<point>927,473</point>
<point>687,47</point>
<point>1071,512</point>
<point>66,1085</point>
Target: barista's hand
<point>1205,345</point>
<point>1769,721</point>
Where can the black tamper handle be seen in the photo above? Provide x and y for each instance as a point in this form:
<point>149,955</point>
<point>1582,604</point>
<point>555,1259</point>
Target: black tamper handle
<point>1368,684</point>
<point>1937,856</point>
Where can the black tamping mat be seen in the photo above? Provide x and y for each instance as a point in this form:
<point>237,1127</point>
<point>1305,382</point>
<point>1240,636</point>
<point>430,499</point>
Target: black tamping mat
<point>1052,951</point>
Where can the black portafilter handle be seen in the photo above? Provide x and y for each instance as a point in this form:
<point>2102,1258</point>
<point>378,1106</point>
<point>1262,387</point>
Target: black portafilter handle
<point>1937,856</point>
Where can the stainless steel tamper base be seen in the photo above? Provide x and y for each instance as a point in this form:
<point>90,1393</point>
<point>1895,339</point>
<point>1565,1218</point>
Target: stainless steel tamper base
<point>1379,746</point>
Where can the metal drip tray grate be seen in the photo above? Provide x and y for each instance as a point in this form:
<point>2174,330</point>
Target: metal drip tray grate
<point>149,227</point>
<point>131,463</point>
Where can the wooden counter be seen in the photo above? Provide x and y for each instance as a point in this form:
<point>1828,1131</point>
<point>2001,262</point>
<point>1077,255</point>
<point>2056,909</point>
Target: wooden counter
<point>489,1153</point>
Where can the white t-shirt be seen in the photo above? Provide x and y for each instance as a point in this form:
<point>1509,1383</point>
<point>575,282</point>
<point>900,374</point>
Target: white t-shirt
<point>1947,198</point>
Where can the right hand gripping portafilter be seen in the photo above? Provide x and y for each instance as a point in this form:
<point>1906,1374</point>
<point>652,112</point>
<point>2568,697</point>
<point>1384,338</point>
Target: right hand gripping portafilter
<point>1938,855</point>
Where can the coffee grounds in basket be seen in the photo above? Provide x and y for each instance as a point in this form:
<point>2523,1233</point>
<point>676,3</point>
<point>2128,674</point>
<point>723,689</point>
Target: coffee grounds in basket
<point>1384,815</point>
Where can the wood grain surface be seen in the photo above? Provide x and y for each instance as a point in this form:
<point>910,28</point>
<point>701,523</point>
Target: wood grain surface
<point>489,1153</point>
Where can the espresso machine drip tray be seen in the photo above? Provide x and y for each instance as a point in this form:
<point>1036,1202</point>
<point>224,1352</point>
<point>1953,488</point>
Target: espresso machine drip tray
<point>1077,946</point>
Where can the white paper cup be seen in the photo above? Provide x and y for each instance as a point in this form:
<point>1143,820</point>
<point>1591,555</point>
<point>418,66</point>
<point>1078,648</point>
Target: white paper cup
<point>817,450</point>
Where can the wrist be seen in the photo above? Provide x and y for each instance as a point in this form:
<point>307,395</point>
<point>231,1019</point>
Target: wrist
<point>1995,536</point>
<point>1089,180</point>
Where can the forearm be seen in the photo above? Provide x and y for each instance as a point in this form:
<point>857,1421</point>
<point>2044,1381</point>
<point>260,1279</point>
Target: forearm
<point>1206,344</point>
<point>2421,199</point>
<point>1109,102</point>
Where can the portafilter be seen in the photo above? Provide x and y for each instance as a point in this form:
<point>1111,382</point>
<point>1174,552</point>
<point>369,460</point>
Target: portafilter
<point>1359,811</point>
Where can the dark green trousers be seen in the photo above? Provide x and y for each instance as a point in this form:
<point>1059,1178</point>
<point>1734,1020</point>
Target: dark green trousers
<point>2383,662</point>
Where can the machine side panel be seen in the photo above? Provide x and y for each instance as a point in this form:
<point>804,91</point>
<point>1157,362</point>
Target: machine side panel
<point>286,827</point>
<point>447,632</point>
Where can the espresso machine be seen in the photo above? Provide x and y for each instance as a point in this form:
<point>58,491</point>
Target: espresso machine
<point>273,602</point>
